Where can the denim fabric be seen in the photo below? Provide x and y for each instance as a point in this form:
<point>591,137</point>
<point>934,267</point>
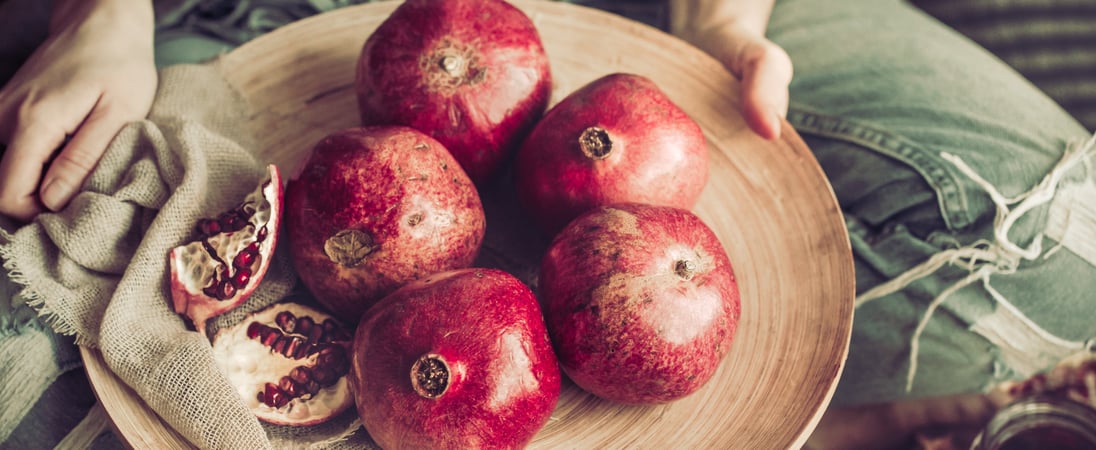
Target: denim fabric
<point>880,92</point>
<point>189,31</point>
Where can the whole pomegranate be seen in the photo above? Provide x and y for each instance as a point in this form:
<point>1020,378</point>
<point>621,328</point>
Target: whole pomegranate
<point>222,266</point>
<point>374,208</point>
<point>641,302</point>
<point>617,139</point>
<point>289,363</point>
<point>461,359</point>
<point>471,73</point>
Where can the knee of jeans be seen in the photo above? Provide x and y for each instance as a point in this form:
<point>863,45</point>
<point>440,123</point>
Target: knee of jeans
<point>1037,284</point>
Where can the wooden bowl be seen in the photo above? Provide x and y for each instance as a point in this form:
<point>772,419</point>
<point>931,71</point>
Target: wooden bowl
<point>768,201</point>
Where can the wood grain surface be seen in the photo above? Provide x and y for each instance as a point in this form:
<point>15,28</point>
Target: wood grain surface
<point>768,202</point>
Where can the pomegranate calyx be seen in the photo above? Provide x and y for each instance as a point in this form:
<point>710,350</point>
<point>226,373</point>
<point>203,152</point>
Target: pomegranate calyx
<point>349,247</point>
<point>430,375</point>
<point>595,143</point>
<point>454,65</point>
<point>685,268</point>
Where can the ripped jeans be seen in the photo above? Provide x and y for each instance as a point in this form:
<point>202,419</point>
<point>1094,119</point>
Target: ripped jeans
<point>970,268</point>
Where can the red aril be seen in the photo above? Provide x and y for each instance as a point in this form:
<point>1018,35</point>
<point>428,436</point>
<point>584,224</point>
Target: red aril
<point>617,139</point>
<point>220,269</point>
<point>458,360</point>
<point>471,73</point>
<point>377,207</point>
<point>289,363</point>
<point>641,302</point>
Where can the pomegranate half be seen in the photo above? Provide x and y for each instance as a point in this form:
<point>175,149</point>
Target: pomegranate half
<point>220,269</point>
<point>289,363</point>
<point>641,302</point>
<point>461,359</point>
<point>471,73</point>
<point>377,207</point>
<point>617,139</point>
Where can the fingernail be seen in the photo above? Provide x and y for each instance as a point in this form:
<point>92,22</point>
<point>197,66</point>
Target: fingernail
<point>56,194</point>
<point>776,124</point>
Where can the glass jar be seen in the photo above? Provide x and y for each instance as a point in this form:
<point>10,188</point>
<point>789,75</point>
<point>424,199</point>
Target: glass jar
<point>1040,422</point>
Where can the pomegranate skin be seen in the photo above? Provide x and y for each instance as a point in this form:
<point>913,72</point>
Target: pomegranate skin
<point>487,326</point>
<point>641,302</point>
<point>374,208</point>
<point>471,73</point>
<point>656,153</point>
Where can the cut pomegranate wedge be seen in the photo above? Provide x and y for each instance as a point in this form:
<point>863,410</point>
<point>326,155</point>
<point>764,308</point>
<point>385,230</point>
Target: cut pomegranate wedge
<point>219,269</point>
<point>289,363</point>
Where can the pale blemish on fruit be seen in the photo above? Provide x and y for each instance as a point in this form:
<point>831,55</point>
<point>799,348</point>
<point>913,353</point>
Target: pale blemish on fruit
<point>618,220</point>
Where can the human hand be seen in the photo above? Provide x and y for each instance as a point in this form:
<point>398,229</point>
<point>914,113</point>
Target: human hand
<point>764,69</point>
<point>733,31</point>
<point>59,112</point>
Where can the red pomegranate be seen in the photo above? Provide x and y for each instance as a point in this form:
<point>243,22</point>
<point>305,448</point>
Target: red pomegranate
<point>616,139</point>
<point>223,265</point>
<point>289,363</point>
<point>377,207</point>
<point>641,302</point>
<point>471,73</point>
<point>461,359</point>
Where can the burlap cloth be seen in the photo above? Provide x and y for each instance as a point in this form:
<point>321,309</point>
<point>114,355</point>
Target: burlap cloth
<point>98,269</point>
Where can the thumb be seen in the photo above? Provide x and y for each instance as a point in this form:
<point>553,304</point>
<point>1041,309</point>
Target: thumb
<point>80,156</point>
<point>766,71</point>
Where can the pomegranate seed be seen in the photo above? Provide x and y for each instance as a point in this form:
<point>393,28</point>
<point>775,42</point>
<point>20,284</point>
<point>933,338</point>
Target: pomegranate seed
<point>241,278</point>
<point>303,350</point>
<point>323,376</point>
<point>226,290</point>
<point>304,325</point>
<point>255,329</point>
<point>330,328</point>
<point>331,363</point>
<point>338,361</point>
<point>212,291</point>
<point>316,334</point>
<point>275,397</point>
<point>286,320</point>
<point>301,374</point>
<point>313,387</point>
<point>325,352</point>
<point>261,234</point>
<point>208,227</point>
<point>244,259</point>
<point>290,387</point>
<point>270,337</point>
<point>280,344</point>
<point>229,222</point>
<point>291,347</point>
